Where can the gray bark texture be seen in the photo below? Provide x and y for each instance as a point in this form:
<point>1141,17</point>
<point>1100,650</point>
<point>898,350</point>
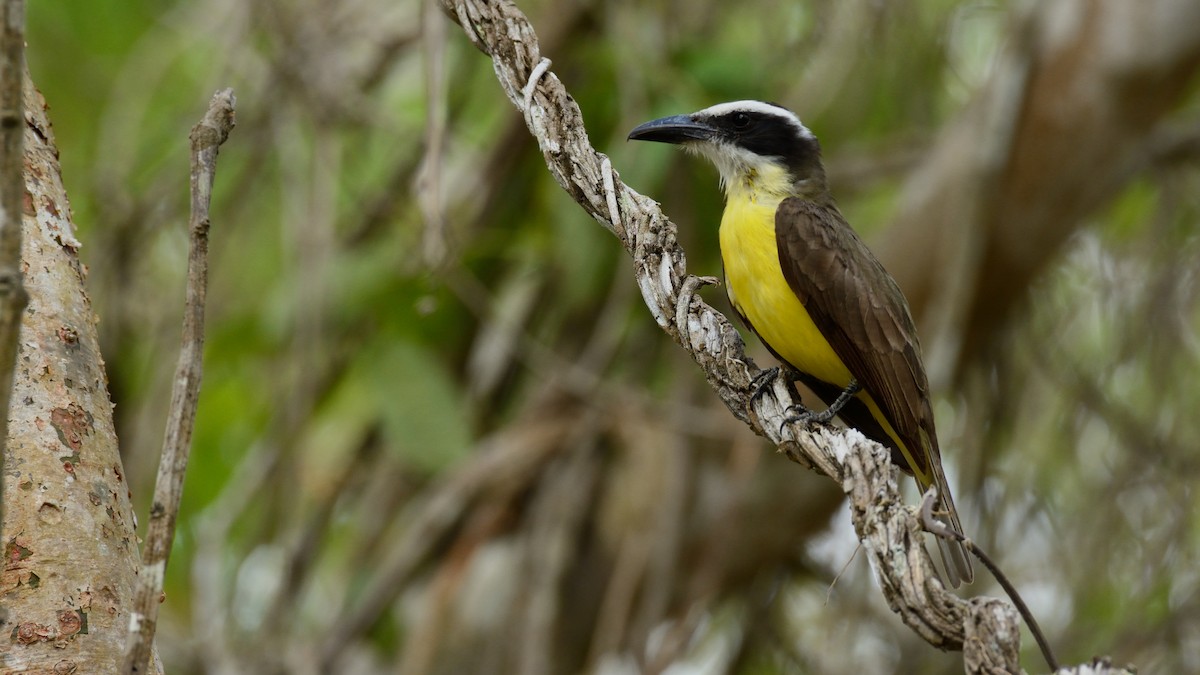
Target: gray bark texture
<point>70,549</point>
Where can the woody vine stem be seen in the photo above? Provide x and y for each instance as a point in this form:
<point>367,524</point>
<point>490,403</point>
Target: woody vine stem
<point>985,629</point>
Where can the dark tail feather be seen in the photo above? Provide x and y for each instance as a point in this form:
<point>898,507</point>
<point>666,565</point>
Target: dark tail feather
<point>955,557</point>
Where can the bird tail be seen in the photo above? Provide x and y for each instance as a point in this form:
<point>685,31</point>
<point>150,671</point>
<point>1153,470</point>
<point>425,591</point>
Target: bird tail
<point>955,558</point>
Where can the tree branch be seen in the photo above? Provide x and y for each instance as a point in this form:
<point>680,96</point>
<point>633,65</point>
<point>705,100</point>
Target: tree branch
<point>891,532</point>
<point>206,137</point>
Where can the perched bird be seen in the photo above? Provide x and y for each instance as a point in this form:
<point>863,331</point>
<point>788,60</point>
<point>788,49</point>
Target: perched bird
<point>804,282</point>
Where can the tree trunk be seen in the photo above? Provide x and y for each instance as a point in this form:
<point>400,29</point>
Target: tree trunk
<point>69,540</point>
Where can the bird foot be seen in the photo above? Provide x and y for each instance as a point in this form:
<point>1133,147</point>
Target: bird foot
<point>762,382</point>
<point>799,413</point>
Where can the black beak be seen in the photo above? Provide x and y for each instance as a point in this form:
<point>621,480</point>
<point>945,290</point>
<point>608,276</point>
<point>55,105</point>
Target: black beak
<point>674,129</point>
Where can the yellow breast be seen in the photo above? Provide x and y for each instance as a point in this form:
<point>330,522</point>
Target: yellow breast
<point>758,290</point>
<point>756,287</point>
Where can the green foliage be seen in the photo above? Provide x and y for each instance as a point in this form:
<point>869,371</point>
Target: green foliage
<point>419,403</point>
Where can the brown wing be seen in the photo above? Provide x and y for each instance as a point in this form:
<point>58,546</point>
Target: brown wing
<point>859,309</point>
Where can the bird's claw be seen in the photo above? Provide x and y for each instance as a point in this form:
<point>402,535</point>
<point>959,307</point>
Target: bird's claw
<point>762,382</point>
<point>799,413</point>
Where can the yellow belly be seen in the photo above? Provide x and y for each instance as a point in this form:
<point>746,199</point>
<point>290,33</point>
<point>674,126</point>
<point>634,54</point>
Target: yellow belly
<point>758,290</point>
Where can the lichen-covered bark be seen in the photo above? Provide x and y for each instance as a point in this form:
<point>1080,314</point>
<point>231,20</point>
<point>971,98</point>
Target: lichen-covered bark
<point>69,542</point>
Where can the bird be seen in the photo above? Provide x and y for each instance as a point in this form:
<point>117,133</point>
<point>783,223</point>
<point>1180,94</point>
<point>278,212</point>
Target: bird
<point>803,281</point>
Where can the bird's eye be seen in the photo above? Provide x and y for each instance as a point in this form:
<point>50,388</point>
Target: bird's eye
<point>741,120</point>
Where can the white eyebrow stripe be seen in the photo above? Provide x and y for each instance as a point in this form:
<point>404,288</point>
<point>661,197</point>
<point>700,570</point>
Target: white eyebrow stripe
<point>758,107</point>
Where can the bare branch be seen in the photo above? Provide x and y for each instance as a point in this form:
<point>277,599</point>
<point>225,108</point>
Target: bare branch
<point>504,466</point>
<point>428,184</point>
<point>891,533</point>
<point>560,510</point>
<point>206,137</point>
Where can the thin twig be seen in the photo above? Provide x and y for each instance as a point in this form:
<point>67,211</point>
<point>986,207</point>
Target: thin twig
<point>211,612</point>
<point>13,297</point>
<point>558,511</point>
<point>503,467</point>
<point>305,551</point>
<point>940,529</point>
<point>428,186</point>
<point>206,138</point>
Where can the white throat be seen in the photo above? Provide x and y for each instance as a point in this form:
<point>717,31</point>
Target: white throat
<point>744,172</point>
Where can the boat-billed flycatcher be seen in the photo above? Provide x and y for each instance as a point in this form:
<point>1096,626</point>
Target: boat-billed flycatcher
<point>803,281</point>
